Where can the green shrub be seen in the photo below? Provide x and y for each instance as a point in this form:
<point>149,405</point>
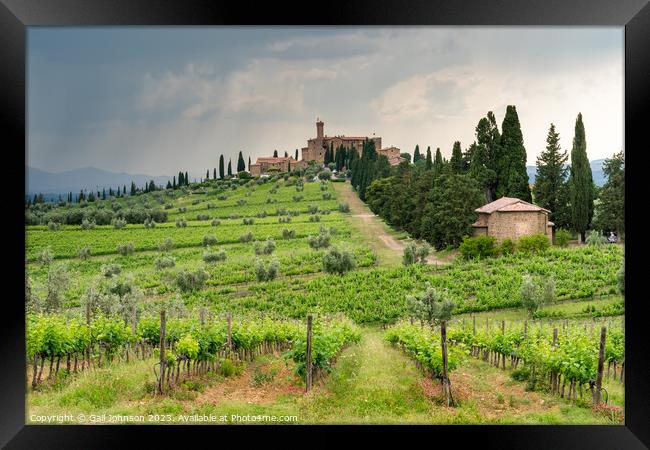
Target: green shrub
<point>508,247</point>
<point>344,207</point>
<point>83,253</point>
<point>478,247</point>
<point>288,234</point>
<point>320,241</point>
<point>126,249</point>
<point>164,262</point>
<point>45,256</point>
<point>595,238</point>
<point>621,279</point>
<point>313,209</point>
<point>536,243</point>
<point>88,224</point>
<point>210,257</point>
<point>284,219</point>
<point>338,261</point>
<point>246,237</point>
<point>248,221</point>
<point>110,270</point>
<point>215,222</point>
<point>297,198</point>
<point>266,273</point>
<point>202,217</point>
<point>261,214</point>
<point>118,223</point>
<point>166,245</point>
<point>413,253</point>
<point>191,281</point>
<point>562,237</point>
<point>209,240</point>
<point>182,209</point>
<point>266,249</point>
<point>181,223</point>
<point>314,218</point>
<point>53,226</point>
<point>149,223</point>
<point>327,195</point>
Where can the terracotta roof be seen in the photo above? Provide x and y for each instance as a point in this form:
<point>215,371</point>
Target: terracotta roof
<point>509,204</point>
<point>275,160</point>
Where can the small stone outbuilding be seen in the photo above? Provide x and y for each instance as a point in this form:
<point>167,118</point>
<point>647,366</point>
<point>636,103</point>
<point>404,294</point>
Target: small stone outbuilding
<point>512,218</point>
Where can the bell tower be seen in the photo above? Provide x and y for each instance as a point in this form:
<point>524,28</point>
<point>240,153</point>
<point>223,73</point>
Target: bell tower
<point>319,129</point>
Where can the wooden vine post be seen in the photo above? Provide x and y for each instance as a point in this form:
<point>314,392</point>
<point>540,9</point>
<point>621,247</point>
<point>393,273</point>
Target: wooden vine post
<point>525,328</point>
<point>601,363</point>
<point>229,335</point>
<point>89,334</point>
<point>163,361</point>
<point>308,367</point>
<point>474,324</point>
<point>446,386</point>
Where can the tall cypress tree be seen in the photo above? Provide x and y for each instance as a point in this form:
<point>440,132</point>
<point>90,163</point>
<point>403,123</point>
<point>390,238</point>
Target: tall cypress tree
<point>241,164</point>
<point>230,167</point>
<point>169,185</point>
<point>416,155</point>
<point>512,176</point>
<point>133,190</point>
<point>221,167</point>
<point>180,179</point>
<point>581,184</point>
<point>456,161</point>
<point>610,211</point>
<point>214,173</point>
<point>173,185</point>
<point>296,155</point>
<point>249,163</point>
<point>429,163</point>
<point>275,153</point>
<point>187,179</point>
<point>207,174</point>
<point>550,186</point>
<point>488,145</point>
<point>438,164</point>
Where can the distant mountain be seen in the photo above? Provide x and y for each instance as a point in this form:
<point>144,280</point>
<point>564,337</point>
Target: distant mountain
<point>87,178</point>
<point>596,171</point>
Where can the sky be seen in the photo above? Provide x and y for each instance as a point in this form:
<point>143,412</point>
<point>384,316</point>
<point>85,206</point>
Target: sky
<point>157,100</point>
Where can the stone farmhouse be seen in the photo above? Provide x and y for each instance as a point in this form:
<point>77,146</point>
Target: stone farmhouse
<point>511,218</point>
<point>279,164</point>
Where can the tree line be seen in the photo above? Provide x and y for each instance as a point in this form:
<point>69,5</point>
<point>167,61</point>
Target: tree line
<point>434,199</point>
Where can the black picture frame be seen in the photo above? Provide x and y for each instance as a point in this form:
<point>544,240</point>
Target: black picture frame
<point>634,15</point>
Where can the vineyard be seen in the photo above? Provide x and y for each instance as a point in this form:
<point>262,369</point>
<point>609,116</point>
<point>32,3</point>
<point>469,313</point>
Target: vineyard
<point>177,293</point>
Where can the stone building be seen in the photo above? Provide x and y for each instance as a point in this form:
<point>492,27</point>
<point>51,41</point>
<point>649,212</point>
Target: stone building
<point>280,164</point>
<point>316,147</point>
<point>511,218</point>
<point>393,155</point>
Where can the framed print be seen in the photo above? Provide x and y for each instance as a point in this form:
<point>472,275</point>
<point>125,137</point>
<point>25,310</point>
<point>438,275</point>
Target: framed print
<point>380,214</point>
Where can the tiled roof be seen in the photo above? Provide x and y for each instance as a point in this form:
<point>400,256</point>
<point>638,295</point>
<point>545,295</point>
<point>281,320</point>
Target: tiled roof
<point>275,160</point>
<point>509,204</point>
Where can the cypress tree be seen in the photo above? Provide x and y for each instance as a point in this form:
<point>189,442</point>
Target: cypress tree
<point>286,154</point>
<point>118,192</point>
<point>249,163</point>
<point>512,176</point>
<point>296,155</point>
<point>133,190</point>
<point>180,179</point>
<point>214,173</point>
<point>550,182</point>
<point>488,144</point>
<point>275,153</point>
<point>241,164</point>
<point>124,190</point>
<point>456,161</point>
<point>438,164</point>
<point>581,185</point>
<point>207,175</point>
<point>429,163</point>
<point>416,155</point>
<point>35,199</point>
<point>187,179</point>
<point>221,167</point>
<point>103,194</point>
<point>230,166</point>
<point>169,184</point>
<point>610,211</point>
<point>173,183</point>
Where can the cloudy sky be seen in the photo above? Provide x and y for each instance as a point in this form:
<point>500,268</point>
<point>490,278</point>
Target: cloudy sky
<point>156,100</point>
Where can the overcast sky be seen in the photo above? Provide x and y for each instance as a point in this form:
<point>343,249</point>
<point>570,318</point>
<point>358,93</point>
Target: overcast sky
<point>156,100</point>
